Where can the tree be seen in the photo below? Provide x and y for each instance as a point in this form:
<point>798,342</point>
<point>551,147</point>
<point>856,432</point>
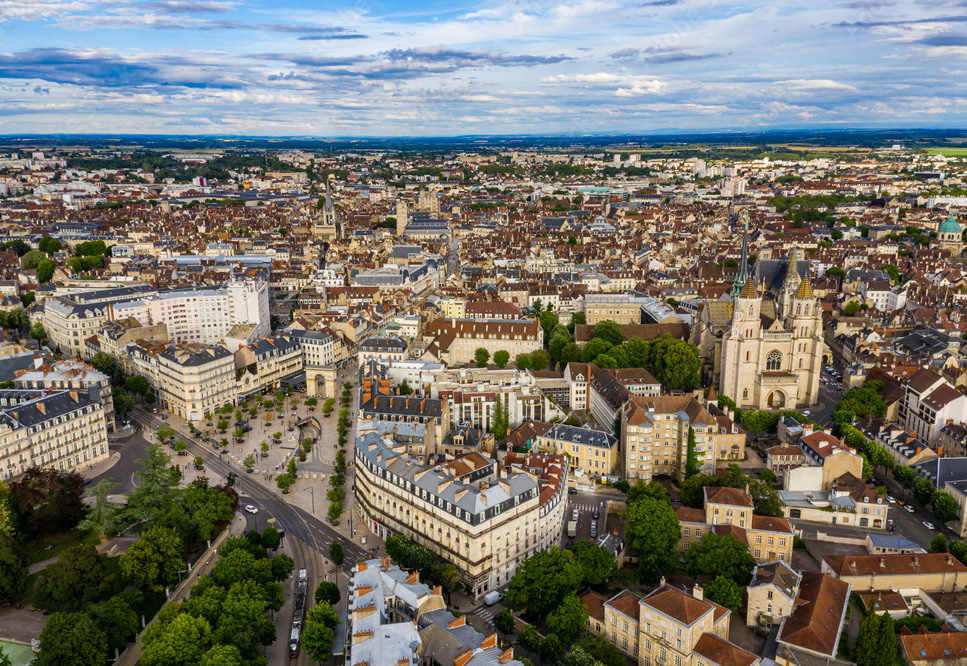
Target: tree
<point>156,479</point>
<point>720,555</point>
<point>653,530</point>
<point>328,592</point>
<point>675,363</point>
<point>524,362</point>
<point>875,643</point>
<point>116,619</point>
<point>501,358</point>
<point>691,456</point>
<point>271,538</point>
<point>71,639</point>
<point>597,565</point>
<point>959,550</point>
<point>725,592</point>
<point>13,570</point>
<point>594,348</point>
<point>138,385</point>
<point>37,332</point>
<point>504,622</point>
<point>499,422</point>
<point>222,425</point>
<point>529,639</point>
<point>75,581</point>
<point>123,403</point>
<point>317,636</point>
<point>850,310</point>
<point>543,580</point>
<point>180,642</point>
<point>551,649</point>
<point>104,516</point>
<point>904,476</point>
<point>249,462</point>
<point>923,490</point>
<point>336,553</point>
<point>571,353</point>
<point>241,565</point>
<point>154,560</point>
<point>540,359</point>
<point>944,506</point>
<point>32,259</point>
<point>609,331</point>
<point>569,618</point>
<point>335,510</point>
<point>481,356</point>
<point>282,567</point>
<point>47,501</point>
<point>223,655</point>
<point>766,499</point>
<point>938,544</point>
<point>7,525</point>
<point>49,244</point>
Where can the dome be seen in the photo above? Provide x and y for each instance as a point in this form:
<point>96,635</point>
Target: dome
<point>950,226</point>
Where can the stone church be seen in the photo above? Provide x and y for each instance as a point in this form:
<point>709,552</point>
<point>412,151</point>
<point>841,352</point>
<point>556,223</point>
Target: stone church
<point>762,345</point>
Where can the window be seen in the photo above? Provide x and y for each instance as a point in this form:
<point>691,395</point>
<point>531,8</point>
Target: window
<point>774,360</point>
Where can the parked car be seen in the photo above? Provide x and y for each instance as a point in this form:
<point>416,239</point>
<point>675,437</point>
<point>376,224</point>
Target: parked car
<point>596,514</point>
<point>251,509</point>
<point>891,499</point>
<point>928,525</point>
<point>908,508</point>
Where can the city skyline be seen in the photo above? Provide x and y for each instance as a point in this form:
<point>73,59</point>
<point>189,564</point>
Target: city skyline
<point>430,69</point>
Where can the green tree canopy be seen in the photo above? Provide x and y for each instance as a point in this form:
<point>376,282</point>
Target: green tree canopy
<point>317,637</point>
<point>501,358</point>
<point>13,569</point>
<point>180,642</point>
<point>597,565</point>
<point>944,506</point>
<point>568,619</point>
<point>593,348</point>
<point>653,530</point>
<point>116,620</point>
<point>327,592</point>
<point>481,357</point>
<point>725,592</point>
<point>71,639</point>
<point>74,581</point>
<point>543,580</point>
<point>154,560</point>
<point>609,331</point>
<point>720,555</point>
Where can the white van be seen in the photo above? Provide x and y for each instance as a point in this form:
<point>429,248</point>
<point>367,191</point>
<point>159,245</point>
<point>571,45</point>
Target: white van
<point>492,597</point>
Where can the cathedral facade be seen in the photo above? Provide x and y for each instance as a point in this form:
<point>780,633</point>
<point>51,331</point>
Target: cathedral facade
<point>763,346</point>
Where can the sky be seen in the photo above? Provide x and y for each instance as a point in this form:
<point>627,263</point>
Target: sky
<point>403,69</point>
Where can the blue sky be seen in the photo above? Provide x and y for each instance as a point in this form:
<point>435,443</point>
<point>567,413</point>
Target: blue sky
<point>406,69</point>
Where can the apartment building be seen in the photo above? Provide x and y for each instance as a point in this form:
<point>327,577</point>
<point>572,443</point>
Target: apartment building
<point>207,314</point>
<point>481,518</point>
<point>56,428</point>
<point>318,347</point>
<point>381,348</point>
<point>196,380</point>
<point>930,572</point>
<point>958,489</point>
<point>929,403</point>
<point>266,363</point>
<point>668,626</point>
<point>69,322</point>
<point>455,341</point>
<point>654,436</point>
<point>771,595</point>
<point>394,618</point>
<point>72,375</point>
<point>113,336</point>
<point>593,451</point>
<point>378,402</point>
<point>729,511</point>
<point>619,308</point>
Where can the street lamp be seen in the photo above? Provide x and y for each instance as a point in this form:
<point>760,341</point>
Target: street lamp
<point>312,495</point>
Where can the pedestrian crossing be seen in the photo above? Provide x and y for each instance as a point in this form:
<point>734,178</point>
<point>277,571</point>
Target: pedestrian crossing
<point>584,507</point>
<point>486,613</point>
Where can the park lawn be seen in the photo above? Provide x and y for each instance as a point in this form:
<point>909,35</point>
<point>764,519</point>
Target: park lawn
<point>36,548</point>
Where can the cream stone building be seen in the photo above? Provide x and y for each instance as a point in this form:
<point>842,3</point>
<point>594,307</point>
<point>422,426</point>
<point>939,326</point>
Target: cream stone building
<point>666,627</point>
<point>930,572</point>
<point>455,341</point>
<point>72,375</point>
<point>58,429</point>
<point>764,347</point>
<point>196,380</point>
<point>654,436</point>
<point>482,518</point>
<point>771,596</point>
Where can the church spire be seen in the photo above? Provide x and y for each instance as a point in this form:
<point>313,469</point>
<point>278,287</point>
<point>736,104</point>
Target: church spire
<point>742,274</point>
<point>791,283</point>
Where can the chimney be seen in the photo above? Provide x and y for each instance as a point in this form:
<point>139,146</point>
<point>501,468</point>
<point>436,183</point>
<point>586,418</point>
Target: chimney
<point>883,563</point>
<point>662,583</point>
<point>698,592</point>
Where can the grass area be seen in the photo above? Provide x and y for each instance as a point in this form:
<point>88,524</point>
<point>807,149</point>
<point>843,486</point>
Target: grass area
<point>949,152</point>
<point>37,549</point>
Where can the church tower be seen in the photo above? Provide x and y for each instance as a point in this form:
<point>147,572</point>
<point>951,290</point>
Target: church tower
<point>791,284</point>
<point>806,323</point>
<point>741,347</point>
<point>328,225</point>
<point>402,217</point>
<point>742,274</point>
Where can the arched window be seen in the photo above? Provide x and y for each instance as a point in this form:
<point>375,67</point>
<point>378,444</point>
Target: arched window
<point>745,393</point>
<point>774,360</point>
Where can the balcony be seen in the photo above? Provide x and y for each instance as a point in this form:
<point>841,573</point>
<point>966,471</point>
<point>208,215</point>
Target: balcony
<point>778,378</point>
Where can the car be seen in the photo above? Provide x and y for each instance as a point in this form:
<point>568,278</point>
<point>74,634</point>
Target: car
<point>806,412</point>
<point>225,450</point>
<point>908,508</point>
<point>891,499</point>
<point>928,525</point>
<point>251,509</point>
<point>572,491</point>
<point>596,514</point>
